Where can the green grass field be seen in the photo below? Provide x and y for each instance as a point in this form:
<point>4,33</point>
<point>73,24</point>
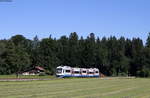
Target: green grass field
<point>77,88</point>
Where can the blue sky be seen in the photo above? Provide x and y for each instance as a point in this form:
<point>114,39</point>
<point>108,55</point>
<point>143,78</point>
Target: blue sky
<point>129,18</point>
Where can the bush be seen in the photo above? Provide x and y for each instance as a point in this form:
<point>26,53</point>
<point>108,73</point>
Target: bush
<point>144,73</point>
<point>122,74</point>
<point>48,72</point>
<point>42,74</point>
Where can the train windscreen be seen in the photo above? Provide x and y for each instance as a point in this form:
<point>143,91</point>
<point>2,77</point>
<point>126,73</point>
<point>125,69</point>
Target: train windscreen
<point>59,70</point>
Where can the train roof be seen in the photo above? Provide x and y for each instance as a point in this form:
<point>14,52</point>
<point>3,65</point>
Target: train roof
<point>63,67</point>
<point>68,67</point>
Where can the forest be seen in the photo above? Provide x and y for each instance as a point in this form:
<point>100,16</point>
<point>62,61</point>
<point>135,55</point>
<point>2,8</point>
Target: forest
<point>113,56</point>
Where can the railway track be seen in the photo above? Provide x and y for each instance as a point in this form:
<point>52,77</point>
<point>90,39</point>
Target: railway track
<point>22,79</point>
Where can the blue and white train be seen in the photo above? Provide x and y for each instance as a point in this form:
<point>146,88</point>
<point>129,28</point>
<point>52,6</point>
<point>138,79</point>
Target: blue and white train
<point>67,71</point>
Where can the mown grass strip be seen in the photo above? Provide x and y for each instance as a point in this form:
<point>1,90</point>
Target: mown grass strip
<point>77,88</point>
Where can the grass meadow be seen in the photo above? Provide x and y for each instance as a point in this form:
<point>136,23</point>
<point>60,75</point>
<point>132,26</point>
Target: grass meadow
<point>77,88</point>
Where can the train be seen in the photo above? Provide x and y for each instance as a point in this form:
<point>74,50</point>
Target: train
<point>67,71</point>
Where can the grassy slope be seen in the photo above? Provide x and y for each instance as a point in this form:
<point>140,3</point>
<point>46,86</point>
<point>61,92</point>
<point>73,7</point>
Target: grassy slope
<point>77,88</point>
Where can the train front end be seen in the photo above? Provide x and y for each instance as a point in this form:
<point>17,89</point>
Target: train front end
<point>59,71</point>
<point>64,71</point>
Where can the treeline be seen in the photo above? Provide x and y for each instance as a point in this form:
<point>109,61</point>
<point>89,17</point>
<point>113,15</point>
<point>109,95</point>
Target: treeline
<point>114,57</point>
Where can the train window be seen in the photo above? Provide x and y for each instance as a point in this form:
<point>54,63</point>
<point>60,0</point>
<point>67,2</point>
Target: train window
<point>90,72</point>
<point>83,71</point>
<point>76,72</point>
<point>59,70</point>
<point>96,72</point>
<point>68,71</point>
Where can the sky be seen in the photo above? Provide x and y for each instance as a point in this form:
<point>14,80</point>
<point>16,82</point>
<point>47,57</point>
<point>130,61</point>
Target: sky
<point>128,18</point>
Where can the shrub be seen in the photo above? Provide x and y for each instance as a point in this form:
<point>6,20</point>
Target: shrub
<point>42,74</point>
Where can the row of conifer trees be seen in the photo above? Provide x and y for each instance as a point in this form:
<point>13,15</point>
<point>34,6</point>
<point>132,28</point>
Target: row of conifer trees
<point>113,56</point>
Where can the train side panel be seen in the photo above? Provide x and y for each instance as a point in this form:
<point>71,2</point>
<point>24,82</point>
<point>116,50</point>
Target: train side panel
<point>67,71</point>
